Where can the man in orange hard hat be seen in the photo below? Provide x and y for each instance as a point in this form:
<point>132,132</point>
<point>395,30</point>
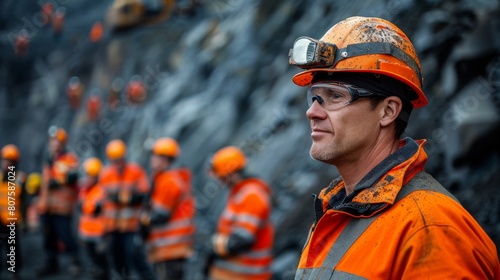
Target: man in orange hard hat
<point>168,218</point>
<point>92,227</point>
<point>242,245</point>
<point>126,186</point>
<point>11,185</point>
<point>384,217</point>
<point>58,195</point>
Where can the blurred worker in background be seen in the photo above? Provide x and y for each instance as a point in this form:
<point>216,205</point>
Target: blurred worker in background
<point>168,217</point>
<point>30,202</point>
<point>384,217</point>
<point>136,90</point>
<point>58,22</point>
<point>242,246</point>
<point>94,107</point>
<point>21,43</point>
<point>126,186</point>
<point>92,227</point>
<point>58,196</point>
<point>47,12</point>
<point>75,91</point>
<point>11,188</point>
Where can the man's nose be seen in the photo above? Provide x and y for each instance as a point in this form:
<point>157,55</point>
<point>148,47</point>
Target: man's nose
<point>315,111</point>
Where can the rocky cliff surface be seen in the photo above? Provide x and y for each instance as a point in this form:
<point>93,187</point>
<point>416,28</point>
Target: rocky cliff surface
<point>219,76</point>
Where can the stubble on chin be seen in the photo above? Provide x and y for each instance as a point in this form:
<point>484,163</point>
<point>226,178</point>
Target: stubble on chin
<point>322,154</point>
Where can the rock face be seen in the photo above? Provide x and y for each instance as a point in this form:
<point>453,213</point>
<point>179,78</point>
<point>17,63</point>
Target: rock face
<point>219,76</point>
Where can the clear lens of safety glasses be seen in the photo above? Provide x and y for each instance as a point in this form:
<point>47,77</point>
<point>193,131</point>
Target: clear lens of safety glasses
<point>329,96</point>
<point>334,96</point>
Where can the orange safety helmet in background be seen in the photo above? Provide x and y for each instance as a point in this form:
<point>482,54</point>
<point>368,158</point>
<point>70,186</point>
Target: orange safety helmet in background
<point>92,166</point>
<point>58,133</point>
<point>116,149</point>
<point>166,147</point>
<point>362,45</point>
<point>10,152</point>
<point>228,160</point>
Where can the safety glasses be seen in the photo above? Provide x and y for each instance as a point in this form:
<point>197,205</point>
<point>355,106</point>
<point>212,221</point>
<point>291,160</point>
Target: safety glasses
<point>308,52</point>
<point>332,96</point>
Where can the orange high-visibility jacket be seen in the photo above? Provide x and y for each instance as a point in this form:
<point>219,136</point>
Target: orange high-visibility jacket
<point>133,181</point>
<point>62,199</point>
<point>172,197</point>
<point>10,196</point>
<point>247,213</point>
<point>424,233</point>
<point>91,226</point>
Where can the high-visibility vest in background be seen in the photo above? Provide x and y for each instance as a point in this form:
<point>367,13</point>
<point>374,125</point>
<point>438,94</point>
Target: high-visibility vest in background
<point>247,213</point>
<point>10,195</point>
<point>133,181</point>
<point>172,196</point>
<point>92,226</point>
<point>61,199</point>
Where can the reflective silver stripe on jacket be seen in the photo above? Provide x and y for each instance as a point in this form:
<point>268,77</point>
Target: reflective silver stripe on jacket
<point>174,225</point>
<point>324,273</point>
<point>239,268</point>
<point>169,240</point>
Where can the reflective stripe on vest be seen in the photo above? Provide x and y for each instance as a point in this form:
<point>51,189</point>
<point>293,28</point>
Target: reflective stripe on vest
<point>174,225</point>
<point>353,230</point>
<point>324,273</point>
<point>169,240</point>
<point>240,268</point>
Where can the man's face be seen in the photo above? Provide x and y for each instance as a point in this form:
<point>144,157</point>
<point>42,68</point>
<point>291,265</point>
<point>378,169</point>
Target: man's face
<point>158,163</point>
<point>6,163</point>
<point>342,133</point>
<point>118,163</point>
<point>55,146</point>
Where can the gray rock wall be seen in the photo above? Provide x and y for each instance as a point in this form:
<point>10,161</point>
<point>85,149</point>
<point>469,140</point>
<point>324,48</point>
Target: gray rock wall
<point>221,77</point>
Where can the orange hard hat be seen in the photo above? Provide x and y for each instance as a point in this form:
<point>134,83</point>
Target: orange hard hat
<point>361,45</point>
<point>228,160</point>
<point>92,166</point>
<point>58,133</point>
<point>166,147</point>
<point>10,152</point>
<point>116,149</point>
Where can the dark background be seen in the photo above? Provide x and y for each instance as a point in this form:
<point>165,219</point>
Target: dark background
<point>218,75</point>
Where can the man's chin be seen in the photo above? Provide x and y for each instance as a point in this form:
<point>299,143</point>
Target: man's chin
<point>316,154</point>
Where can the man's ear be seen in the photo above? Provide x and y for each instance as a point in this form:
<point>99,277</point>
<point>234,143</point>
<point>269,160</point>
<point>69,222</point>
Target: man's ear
<point>391,107</point>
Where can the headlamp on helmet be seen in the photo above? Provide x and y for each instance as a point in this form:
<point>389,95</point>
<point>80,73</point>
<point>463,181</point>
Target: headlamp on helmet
<point>308,52</point>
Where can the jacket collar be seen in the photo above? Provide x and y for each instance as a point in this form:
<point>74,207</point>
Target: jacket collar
<point>381,185</point>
